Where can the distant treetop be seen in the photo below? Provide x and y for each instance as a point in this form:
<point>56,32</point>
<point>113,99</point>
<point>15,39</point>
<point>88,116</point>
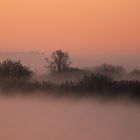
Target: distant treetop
<point>59,62</point>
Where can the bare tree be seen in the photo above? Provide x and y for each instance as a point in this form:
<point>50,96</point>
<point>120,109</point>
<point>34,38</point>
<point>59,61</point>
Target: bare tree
<point>60,61</point>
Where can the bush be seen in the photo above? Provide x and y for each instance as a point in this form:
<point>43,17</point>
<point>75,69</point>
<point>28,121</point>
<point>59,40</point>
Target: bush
<point>110,70</point>
<point>14,69</point>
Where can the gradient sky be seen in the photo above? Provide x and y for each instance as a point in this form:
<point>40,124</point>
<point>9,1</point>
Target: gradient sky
<point>82,27</point>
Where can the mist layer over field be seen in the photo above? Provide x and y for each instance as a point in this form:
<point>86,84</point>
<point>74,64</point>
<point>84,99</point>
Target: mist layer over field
<point>34,118</point>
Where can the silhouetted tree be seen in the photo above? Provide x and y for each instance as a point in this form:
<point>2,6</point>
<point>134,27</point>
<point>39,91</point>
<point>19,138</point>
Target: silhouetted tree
<point>14,69</point>
<point>110,70</point>
<point>135,74</point>
<point>60,61</point>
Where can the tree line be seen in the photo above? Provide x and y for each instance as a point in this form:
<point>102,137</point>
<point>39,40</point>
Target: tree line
<point>100,80</point>
<point>60,62</point>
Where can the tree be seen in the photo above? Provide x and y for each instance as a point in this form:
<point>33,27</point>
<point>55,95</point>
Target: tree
<point>14,69</point>
<point>110,70</point>
<point>135,74</point>
<point>60,61</point>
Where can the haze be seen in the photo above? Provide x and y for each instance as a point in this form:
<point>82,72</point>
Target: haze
<point>60,119</point>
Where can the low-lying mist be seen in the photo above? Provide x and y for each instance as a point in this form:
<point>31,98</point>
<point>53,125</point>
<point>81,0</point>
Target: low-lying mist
<point>44,118</point>
<point>36,61</point>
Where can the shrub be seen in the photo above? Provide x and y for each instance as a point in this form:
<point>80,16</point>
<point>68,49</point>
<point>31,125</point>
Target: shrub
<point>14,69</point>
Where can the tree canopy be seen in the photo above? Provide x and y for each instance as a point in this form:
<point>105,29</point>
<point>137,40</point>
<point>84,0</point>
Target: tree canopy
<point>110,70</point>
<point>59,61</point>
<point>14,69</point>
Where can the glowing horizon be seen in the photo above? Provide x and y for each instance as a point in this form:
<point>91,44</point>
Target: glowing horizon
<point>103,27</point>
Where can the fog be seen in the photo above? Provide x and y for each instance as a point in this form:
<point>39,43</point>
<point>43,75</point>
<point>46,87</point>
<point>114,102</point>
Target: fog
<point>36,60</point>
<point>39,118</point>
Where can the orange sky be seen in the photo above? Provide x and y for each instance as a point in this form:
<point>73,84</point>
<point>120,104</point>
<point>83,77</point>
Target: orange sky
<point>104,27</point>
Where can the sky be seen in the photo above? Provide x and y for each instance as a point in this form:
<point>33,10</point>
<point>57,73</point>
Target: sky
<point>105,29</point>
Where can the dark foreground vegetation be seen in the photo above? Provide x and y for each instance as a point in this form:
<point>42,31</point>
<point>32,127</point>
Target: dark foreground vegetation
<point>89,85</point>
<point>16,77</point>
